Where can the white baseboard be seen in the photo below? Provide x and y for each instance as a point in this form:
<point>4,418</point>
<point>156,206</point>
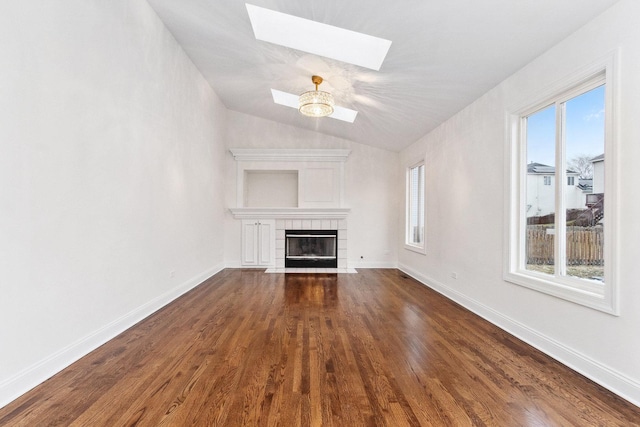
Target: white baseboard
<point>623,386</point>
<point>350,264</point>
<point>375,264</point>
<point>20,383</point>
<point>232,264</point>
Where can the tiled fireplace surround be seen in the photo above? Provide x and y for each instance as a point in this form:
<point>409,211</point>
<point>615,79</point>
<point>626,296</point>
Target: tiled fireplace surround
<point>311,224</point>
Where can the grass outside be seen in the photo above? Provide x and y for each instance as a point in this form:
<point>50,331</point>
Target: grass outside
<point>581,271</point>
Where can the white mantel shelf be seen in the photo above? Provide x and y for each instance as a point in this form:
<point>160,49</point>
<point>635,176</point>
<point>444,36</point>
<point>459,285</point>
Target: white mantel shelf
<point>290,213</point>
<point>309,155</point>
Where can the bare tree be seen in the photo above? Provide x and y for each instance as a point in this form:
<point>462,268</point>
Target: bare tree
<point>582,164</point>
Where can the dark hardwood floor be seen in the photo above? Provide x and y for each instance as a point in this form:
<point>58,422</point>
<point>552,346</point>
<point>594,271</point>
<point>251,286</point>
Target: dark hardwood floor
<point>376,348</point>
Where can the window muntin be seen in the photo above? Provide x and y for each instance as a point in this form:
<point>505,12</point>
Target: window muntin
<point>415,207</point>
<point>560,277</point>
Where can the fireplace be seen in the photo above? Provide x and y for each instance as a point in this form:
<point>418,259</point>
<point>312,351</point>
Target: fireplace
<point>311,248</point>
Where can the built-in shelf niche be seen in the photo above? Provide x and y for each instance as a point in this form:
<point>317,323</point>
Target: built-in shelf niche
<point>279,178</point>
<point>271,188</point>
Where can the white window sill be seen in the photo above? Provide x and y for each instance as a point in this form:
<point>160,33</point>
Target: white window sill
<point>413,248</point>
<point>589,295</point>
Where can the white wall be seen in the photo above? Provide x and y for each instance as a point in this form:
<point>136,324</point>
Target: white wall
<point>465,179</point>
<point>111,169</point>
<point>370,177</point>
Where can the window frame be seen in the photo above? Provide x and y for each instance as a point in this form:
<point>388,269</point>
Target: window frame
<point>408,244</point>
<point>602,297</point>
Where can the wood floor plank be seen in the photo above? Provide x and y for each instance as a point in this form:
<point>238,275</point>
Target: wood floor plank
<point>369,349</point>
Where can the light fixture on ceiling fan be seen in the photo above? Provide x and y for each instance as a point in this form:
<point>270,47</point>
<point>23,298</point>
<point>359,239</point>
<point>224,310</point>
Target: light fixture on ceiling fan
<point>316,103</point>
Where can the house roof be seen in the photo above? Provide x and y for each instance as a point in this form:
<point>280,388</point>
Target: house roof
<point>599,158</point>
<point>540,169</point>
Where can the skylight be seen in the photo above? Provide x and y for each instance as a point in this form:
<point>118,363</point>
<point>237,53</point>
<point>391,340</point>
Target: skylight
<point>291,100</point>
<point>317,38</point>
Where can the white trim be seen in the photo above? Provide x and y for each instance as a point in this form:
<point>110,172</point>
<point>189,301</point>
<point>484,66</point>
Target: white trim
<point>358,263</point>
<point>590,294</point>
<point>290,213</point>
<point>294,155</point>
<point>417,249</point>
<point>20,383</point>
<point>311,270</point>
<point>607,377</point>
<point>233,264</point>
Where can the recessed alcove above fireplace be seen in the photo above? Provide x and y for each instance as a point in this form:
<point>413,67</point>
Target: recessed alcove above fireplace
<point>311,178</point>
<point>270,188</point>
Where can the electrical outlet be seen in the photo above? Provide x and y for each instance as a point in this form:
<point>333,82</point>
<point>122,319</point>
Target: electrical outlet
<point>172,274</point>
<point>454,275</point>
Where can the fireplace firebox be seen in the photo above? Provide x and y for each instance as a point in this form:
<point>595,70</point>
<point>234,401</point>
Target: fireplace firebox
<point>311,248</point>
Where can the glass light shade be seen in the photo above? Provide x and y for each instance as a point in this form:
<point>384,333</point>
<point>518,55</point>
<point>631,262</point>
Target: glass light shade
<point>316,103</point>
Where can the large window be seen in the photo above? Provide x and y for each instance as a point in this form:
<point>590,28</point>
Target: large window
<point>561,236</point>
<point>415,208</point>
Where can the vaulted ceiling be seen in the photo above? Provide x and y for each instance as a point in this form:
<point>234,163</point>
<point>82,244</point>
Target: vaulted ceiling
<point>444,54</point>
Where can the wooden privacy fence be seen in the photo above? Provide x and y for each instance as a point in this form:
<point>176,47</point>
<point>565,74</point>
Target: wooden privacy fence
<point>585,245</point>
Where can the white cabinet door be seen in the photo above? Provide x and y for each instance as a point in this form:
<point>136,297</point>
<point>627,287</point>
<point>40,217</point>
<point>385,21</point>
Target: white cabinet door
<point>258,242</point>
<point>267,242</point>
<point>249,242</point>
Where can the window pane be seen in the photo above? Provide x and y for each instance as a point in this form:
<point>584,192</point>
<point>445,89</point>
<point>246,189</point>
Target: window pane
<point>540,202</point>
<point>415,231</point>
<point>584,145</point>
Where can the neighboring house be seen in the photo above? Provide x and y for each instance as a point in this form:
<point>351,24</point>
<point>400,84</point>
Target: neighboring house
<point>586,185</point>
<point>541,194</point>
<point>595,200</point>
<point>598,174</point>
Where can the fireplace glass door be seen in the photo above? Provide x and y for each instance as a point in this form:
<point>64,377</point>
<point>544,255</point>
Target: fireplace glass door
<point>311,248</point>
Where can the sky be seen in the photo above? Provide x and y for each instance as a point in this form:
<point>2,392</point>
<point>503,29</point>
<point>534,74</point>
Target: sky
<point>584,128</point>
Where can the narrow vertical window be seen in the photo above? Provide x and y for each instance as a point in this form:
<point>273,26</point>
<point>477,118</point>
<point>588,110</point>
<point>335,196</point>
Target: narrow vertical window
<point>415,207</point>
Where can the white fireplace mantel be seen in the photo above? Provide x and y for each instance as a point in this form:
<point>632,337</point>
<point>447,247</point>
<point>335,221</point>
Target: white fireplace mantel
<point>290,213</point>
<point>300,155</point>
